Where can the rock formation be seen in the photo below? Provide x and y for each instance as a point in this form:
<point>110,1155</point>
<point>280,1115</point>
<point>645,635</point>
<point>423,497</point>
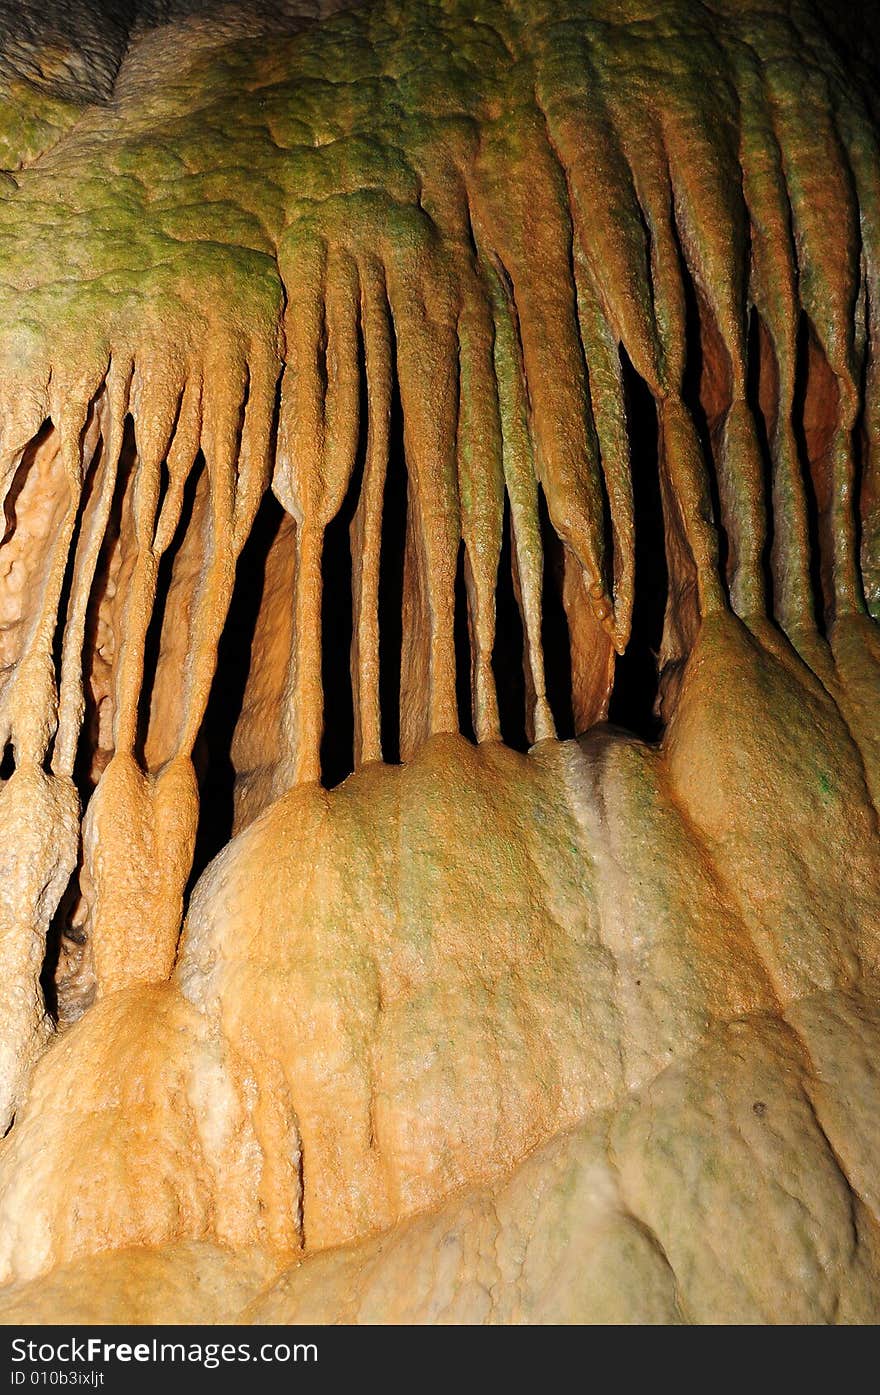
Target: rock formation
<point>441,458</point>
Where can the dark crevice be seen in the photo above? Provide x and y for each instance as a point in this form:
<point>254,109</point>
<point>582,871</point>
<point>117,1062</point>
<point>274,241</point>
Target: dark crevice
<point>607,534</point>
<point>554,627</point>
<point>22,471</point>
<point>813,507</point>
<point>636,676</point>
<point>758,346</point>
<point>337,742</point>
<point>214,746</point>
<point>58,929</point>
<point>508,652</point>
<point>462,640</point>
<point>394,516</point>
<point>469,226</point>
<point>337,610</point>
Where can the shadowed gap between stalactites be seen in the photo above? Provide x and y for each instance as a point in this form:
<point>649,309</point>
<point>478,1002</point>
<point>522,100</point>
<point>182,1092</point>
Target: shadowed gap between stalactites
<point>633,703</point>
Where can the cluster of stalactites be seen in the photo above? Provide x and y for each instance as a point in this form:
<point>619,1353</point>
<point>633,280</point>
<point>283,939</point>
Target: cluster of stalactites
<point>577,229</point>
<point>735,230</point>
<point>137,839</point>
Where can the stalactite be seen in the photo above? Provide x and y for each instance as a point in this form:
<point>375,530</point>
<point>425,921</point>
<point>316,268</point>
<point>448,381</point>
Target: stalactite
<point>222,401</point>
<point>255,448</point>
<point>522,491</point>
<point>366,526</point>
<point>39,810</point>
<point>610,268</point>
<point>34,513</point>
<point>29,701</point>
<point>691,540</point>
<point>481,491</point>
<point>825,222</point>
<point>563,433</point>
<point>711,221</point>
<point>175,413</point>
<point>416,642</point>
<point>318,434</point>
<point>863,154</point>
<point>607,219</point>
<point>424,316</point>
<point>153,407</point>
<point>609,414</point>
<point>179,459</point>
<point>71,701</point>
<point>133,921</point>
<point>591,653</point>
<point>773,288</point>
